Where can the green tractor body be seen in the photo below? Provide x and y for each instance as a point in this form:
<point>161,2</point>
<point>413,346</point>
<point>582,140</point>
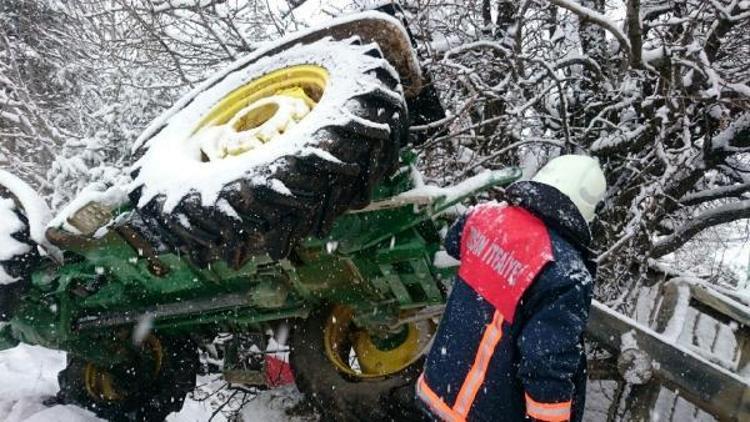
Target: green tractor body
<point>378,261</point>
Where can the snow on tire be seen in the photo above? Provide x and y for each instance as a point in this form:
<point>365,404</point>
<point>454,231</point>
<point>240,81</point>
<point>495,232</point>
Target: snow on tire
<point>18,251</point>
<point>249,164</point>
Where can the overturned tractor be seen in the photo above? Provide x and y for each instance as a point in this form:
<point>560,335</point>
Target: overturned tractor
<point>280,190</point>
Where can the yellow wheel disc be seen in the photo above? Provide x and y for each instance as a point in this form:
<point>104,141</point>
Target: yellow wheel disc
<point>373,360</point>
<point>354,353</point>
<point>260,110</point>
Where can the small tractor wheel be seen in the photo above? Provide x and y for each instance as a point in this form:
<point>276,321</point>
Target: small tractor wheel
<point>120,394</point>
<point>18,256</point>
<point>349,376</point>
<point>271,151</point>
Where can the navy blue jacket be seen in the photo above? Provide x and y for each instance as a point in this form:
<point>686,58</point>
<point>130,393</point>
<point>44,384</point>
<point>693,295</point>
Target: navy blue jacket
<point>538,367</point>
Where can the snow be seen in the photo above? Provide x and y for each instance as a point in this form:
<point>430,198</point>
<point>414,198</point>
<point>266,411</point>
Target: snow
<point>29,371</point>
<point>740,88</point>
<point>9,247</point>
<point>443,260</point>
<point>36,210</point>
<point>627,341</point>
<point>677,321</point>
<point>178,4</point>
<point>653,55</point>
<point>219,141</point>
<point>452,193</point>
<point>272,406</point>
<point>5,278</point>
<point>28,377</point>
<point>635,364</point>
<point>617,139</point>
<point>185,172</point>
<point>725,138</point>
<point>596,17</point>
<point>226,208</point>
<point>320,12</point>
<point>30,410</point>
<point>112,198</point>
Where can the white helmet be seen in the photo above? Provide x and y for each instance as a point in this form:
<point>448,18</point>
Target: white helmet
<point>579,177</point>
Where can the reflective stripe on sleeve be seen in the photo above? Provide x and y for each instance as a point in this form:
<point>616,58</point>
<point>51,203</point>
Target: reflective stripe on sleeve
<point>548,412</point>
<point>435,403</point>
<point>475,378</point>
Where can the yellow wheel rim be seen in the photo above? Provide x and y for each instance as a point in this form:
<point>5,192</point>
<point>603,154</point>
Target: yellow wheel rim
<point>99,382</point>
<point>260,111</point>
<point>354,353</point>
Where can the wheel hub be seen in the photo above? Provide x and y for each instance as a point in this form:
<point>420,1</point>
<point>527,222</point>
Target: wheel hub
<point>386,356</point>
<point>260,111</point>
<point>358,354</point>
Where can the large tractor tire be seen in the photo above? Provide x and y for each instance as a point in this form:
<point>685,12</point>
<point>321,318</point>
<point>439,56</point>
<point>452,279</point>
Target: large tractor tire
<point>272,151</point>
<point>19,254</point>
<point>348,376</point>
<point>127,393</point>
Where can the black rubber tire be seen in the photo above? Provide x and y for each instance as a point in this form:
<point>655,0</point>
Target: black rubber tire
<point>153,401</point>
<point>19,266</point>
<point>338,397</point>
<point>269,222</point>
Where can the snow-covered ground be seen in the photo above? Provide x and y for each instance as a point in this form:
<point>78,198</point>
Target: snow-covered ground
<point>28,377</point>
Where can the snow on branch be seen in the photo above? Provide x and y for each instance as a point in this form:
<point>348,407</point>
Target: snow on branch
<point>183,4</point>
<point>652,12</point>
<point>742,89</point>
<point>572,60</point>
<point>478,45</point>
<point>713,194</point>
<point>597,18</point>
<point>713,217</point>
<point>735,137</point>
<point>728,13</point>
<point>618,140</point>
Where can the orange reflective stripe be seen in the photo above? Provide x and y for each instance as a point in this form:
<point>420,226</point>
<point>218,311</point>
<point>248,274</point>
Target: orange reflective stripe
<point>548,412</point>
<point>436,404</point>
<point>475,378</point>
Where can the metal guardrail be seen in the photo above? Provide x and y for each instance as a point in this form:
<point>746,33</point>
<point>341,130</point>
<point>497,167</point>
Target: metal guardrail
<point>718,391</point>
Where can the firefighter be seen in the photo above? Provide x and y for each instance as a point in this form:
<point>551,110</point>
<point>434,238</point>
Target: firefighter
<point>510,344</point>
